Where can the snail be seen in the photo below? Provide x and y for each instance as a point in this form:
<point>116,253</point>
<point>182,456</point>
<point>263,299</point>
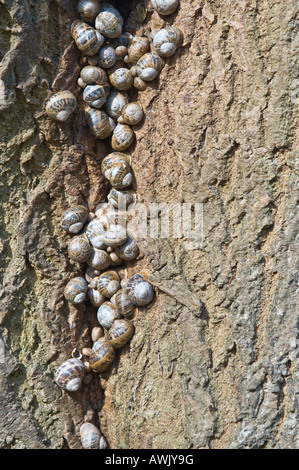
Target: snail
<point>122,138</point>
<point>139,84</point>
<point>79,248</point>
<point>165,7</point>
<point>88,9</point>
<point>98,259</point>
<point>116,101</point>
<point>121,79</point>
<point>87,39</point>
<point>167,40</point>
<point>75,290</point>
<point>120,333</point>
<point>106,56</point>
<point>122,198</point>
<point>135,18</point>
<point>122,303</point>
<point>91,75</point>
<point>106,314</point>
<point>95,95</point>
<point>102,356</point>
<point>108,283</point>
<point>124,39</point>
<point>138,47</point>
<point>97,333</point>
<point>131,114</point>
<point>115,260</point>
<point>95,231</point>
<point>120,175</point>
<point>121,51</point>
<point>74,218</point>
<point>95,297</point>
<point>139,291</point>
<point>128,250</point>
<point>91,438</point>
<point>61,105</point>
<point>116,235</point>
<point>91,274</point>
<point>111,159</point>
<point>70,374</point>
<point>101,125</point>
<point>148,66</point>
<point>109,22</point>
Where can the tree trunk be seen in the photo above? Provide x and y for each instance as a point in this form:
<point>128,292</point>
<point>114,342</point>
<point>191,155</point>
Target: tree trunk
<point>214,359</point>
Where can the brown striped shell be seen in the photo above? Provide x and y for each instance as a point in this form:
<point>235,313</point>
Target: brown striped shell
<point>120,175</point>
<point>116,101</point>
<point>98,259</point>
<point>109,22</point>
<point>99,122</point>
<point>91,75</point>
<point>79,248</point>
<point>122,303</point>
<point>95,95</point>
<point>87,39</point>
<point>139,291</point>
<point>106,56</point>
<point>165,7</point>
<point>140,84</point>
<point>88,10</point>
<point>116,235</point>
<point>106,314</point>
<point>149,66</point>
<point>74,218</point>
<point>138,47</point>
<point>70,374</point>
<point>128,250</point>
<point>122,137</point>
<point>95,231</point>
<point>75,290</point>
<point>167,40</point>
<point>131,114</point>
<point>111,159</point>
<point>108,283</point>
<point>102,356</point>
<point>120,333</point>
<point>95,297</point>
<point>121,198</point>
<point>121,79</point>
<point>91,437</point>
<point>61,105</point>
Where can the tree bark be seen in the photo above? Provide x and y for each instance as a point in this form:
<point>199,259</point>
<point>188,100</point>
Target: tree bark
<point>213,362</point>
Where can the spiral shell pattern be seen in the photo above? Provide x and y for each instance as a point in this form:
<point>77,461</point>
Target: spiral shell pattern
<point>74,218</point>
<point>95,95</point>
<point>121,79</point>
<point>138,47</point>
<point>70,374</point>
<point>90,436</point>
<point>149,65</point>
<point>79,249</point>
<point>108,283</point>
<point>167,40</point>
<point>139,291</point>
<point>165,7</point>
<point>116,101</point>
<point>98,122</point>
<point>75,290</point>
<point>61,105</point>
<point>87,39</point>
<point>122,303</point>
<point>120,333</point>
<point>122,137</point>
<point>88,9</point>
<point>102,356</point>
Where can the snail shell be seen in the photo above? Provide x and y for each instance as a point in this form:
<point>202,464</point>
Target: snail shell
<point>115,103</point>
<point>95,297</point>
<point>91,274</point>
<point>74,218</point>
<point>61,105</point>
<point>79,249</point>
<point>99,122</point>
<point>102,356</point>
<point>98,259</point>
<point>109,22</point>
<point>139,291</point>
<point>128,250</point>
<point>124,39</point>
<point>149,66</point>
<point>167,40</point>
<point>122,138</point>
<point>111,159</point>
<point>75,290</point>
<point>122,198</point>
<point>106,56</point>
<point>139,84</point>
<point>95,231</point>
<point>121,51</point>
<point>70,374</point>
<point>115,260</point>
<point>91,438</point>
<point>106,314</point>
<point>122,303</point>
<point>88,9</point>
<point>165,7</point>
<point>95,95</point>
<point>138,47</point>
<point>135,18</point>
<point>120,333</point>
<point>120,175</point>
<point>91,75</point>
<point>97,333</point>
<point>108,283</point>
<point>121,79</point>
<point>131,114</point>
<point>87,39</point>
<point>116,235</point>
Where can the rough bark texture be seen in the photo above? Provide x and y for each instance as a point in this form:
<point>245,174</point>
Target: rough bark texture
<point>214,359</point>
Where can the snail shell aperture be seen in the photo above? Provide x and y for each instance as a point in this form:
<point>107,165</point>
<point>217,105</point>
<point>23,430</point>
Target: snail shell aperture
<point>123,136</point>
<point>139,291</point>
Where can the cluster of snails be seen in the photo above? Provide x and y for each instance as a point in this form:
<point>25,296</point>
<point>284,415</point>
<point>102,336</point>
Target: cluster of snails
<point>119,60</point>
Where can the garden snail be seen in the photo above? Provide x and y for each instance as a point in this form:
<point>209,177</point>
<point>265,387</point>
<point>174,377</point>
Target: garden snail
<point>79,248</point>
<point>167,40</point>
<point>115,260</point>
<point>70,375</point>
<point>138,47</point>
<point>75,290</point>
<point>108,283</point>
<point>91,75</point>
<point>122,138</point>
<point>97,333</point>
<point>106,56</point>
<point>123,198</point>
<point>121,51</point>
<point>120,333</point>
<point>164,7</point>
<point>61,105</point>
<point>74,218</point>
<point>101,125</point>
<point>87,39</point>
<point>95,231</point>
<point>120,175</point>
<point>122,303</point>
<point>109,22</point>
<point>139,291</point>
<point>116,101</point>
<point>95,95</point>
<point>102,356</point>
<point>111,159</point>
<point>91,438</point>
<point>139,84</point>
<point>128,250</point>
<point>116,235</point>
<point>98,259</point>
<point>135,18</point>
<point>88,9</point>
<point>121,79</point>
<point>149,66</point>
<point>95,297</point>
<point>106,314</point>
<point>131,114</point>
